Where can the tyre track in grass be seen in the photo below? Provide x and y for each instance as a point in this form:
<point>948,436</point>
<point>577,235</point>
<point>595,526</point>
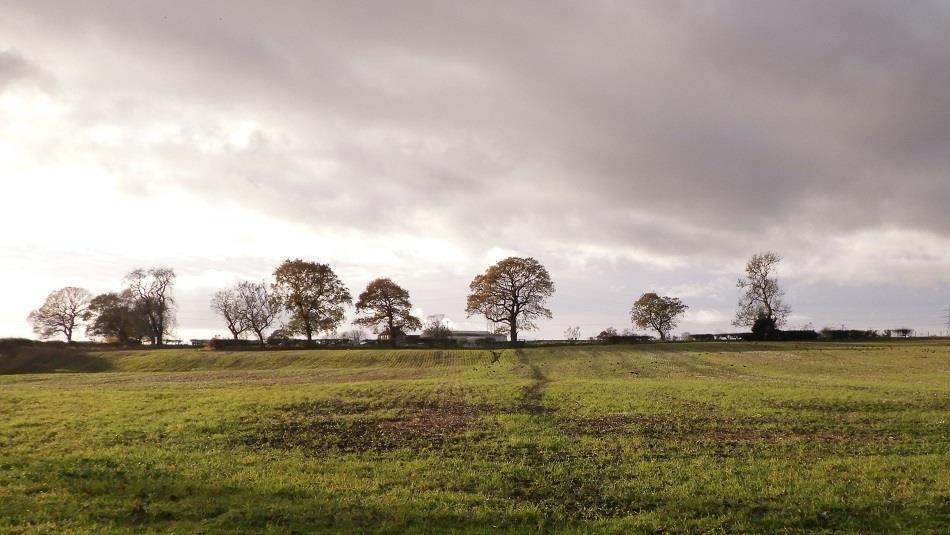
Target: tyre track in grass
<point>533,393</point>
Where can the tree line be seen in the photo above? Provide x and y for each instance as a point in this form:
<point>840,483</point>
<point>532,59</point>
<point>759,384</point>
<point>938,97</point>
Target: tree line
<point>308,299</point>
<point>142,310</point>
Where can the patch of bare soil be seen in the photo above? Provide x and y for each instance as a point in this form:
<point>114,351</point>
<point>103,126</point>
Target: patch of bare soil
<point>352,427</point>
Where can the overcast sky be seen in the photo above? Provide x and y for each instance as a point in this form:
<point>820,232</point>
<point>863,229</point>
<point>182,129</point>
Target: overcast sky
<point>628,146</point>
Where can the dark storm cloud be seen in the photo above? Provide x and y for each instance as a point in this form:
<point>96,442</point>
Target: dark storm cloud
<point>676,128</point>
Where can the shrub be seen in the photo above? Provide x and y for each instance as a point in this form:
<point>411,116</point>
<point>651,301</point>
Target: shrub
<point>847,334</point>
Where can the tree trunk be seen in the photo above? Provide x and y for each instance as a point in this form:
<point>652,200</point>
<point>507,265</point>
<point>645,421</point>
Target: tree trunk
<point>260,336</point>
<point>513,329</point>
<point>392,333</point>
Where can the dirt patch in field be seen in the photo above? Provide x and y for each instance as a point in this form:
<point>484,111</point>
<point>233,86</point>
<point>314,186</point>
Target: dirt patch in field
<point>353,427</point>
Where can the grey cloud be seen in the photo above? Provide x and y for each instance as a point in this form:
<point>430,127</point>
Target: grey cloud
<point>678,127</point>
<point>15,67</point>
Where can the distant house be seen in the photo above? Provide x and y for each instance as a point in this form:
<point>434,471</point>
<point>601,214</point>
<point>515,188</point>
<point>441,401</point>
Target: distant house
<point>402,339</point>
<point>383,337</point>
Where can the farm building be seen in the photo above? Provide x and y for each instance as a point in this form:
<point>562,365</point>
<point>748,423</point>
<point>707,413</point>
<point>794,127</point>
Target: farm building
<point>468,337</point>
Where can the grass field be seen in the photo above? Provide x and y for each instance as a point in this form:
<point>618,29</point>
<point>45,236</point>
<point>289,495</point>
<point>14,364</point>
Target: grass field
<point>721,437</point>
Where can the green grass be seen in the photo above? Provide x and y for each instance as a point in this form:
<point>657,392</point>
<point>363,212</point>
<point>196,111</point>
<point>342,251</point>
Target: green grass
<point>712,437</point>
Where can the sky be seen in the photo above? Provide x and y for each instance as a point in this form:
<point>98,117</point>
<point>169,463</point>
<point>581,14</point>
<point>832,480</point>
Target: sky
<point>628,146</point>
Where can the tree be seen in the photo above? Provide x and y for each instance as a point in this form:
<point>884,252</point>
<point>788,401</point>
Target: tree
<point>572,333</point>
<point>659,313</point>
<point>258,306</point>
<point>436,329</point>
<point>117,318</point>
<point>152,291</point>
<point>61,313</point>
<point>761,298</point>
<point>764,328</point>
<point>388,305</point>
<point>313,295</point>
<point>607,334</point>
<point>513,293</point>
<point>226,304</point>
<point>279,337</point>
<point>356,336</point>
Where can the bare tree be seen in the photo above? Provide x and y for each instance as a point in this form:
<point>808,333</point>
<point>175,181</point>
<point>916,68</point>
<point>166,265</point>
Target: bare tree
<point>258,307</point>
<point>61,312</point>
<point>388,305</point>
<point>152,290</point>
<point>513,293</point>
<point>762,298</point>
<point>652,311</point>
<point>572,333</point>
<point>313,295</point>
<point>227,305</point>
<point>356,336</point>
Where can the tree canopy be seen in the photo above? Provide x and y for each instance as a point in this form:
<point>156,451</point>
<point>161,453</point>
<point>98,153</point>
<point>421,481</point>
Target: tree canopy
<point>152,291</point>
<point>313,295</point>
<point>117,317</point>
<point>762,299</point>
<point>652,311</point>
<point>387,305</point>
<point>225,303</point>
<point>61,313</point>
<point>512,293</point>
<point>258,306</point>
